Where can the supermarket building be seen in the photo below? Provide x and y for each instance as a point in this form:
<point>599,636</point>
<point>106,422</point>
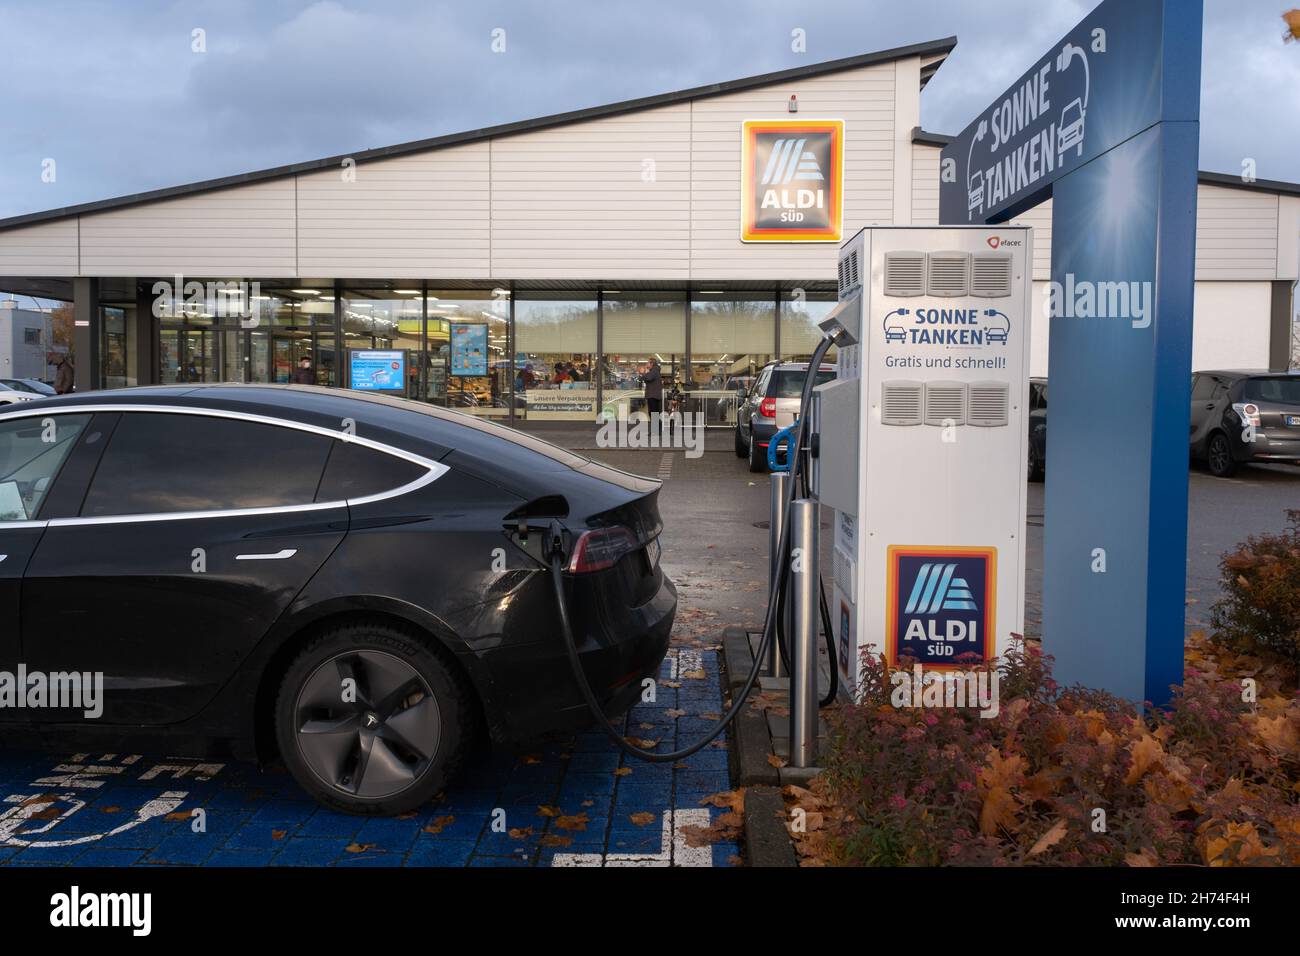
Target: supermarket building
<point>531,270</point>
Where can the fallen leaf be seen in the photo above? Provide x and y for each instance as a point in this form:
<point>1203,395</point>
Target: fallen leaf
<point>437,824</point>
<point>358,847</point>
<point>1049,839</point>
<point>642,819</point>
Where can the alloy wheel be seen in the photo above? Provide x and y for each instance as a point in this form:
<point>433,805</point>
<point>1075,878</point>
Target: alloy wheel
<point>367,724</point>
<point>1219,454</point>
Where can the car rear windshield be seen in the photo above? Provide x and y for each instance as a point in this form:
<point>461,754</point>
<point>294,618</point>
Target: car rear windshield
<point>788,382</point>
<point>1285,391</point>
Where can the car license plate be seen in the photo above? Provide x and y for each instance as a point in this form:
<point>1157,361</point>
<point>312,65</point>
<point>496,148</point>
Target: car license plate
<point>652,551</point>
<point>1293,419</point>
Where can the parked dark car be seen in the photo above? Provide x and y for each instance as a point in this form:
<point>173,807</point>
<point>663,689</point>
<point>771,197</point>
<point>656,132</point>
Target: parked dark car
<point>772,404</point>
<point>1240,417</point>
<point>1037,428</point>
<point>356,583</point>
<point>1237,417</point>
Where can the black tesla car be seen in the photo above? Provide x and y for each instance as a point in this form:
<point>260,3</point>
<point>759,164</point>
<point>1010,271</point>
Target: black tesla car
<point>356,583</point>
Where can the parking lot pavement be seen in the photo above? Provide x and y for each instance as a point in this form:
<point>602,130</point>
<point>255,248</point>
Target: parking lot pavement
<point>563,801</point>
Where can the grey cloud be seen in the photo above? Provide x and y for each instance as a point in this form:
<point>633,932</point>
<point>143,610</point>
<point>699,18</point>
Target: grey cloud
<point>113,93</point>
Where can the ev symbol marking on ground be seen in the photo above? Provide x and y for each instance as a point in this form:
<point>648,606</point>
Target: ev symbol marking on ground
<point>51,809</point>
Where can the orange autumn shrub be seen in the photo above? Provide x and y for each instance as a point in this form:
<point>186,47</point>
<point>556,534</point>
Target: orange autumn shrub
<point>1260,610</point>
<point>1064,777</point>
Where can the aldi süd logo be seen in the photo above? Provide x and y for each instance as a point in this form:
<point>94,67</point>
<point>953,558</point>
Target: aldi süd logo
<point>940,604</point>
<point>792,179</point>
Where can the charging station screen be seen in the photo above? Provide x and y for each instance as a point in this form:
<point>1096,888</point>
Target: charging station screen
<point>941,604</point>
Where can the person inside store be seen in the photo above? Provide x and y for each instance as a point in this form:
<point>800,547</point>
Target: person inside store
<point>303,374</point>
<point>653,382</point>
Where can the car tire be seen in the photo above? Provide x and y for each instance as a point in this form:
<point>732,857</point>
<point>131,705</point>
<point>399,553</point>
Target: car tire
<point>740,444</point>
<point>409,709</point>
<point>757,459</point>
<point>1037,467</point>
<point>1218,456</point>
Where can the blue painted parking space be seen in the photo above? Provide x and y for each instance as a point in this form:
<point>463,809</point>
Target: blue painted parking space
<point>570,800</point>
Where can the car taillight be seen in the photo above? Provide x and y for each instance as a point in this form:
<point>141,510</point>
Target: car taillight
<point>1248,412</point>
<point>767,408</point>
<point>601,549</point>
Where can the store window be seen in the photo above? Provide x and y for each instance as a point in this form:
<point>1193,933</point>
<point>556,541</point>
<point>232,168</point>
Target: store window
<point>555,356</point>
<point>386,317</point>
<point>238,330</point>
<point>802,307</point>
<point>117,357</point>
<point>467,366</point>
<point>294,323</point>
<point>733,335</point>
<point>642,331</point>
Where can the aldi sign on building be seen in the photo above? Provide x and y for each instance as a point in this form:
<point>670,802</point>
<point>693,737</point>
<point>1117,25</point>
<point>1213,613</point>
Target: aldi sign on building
<point>792,180</point>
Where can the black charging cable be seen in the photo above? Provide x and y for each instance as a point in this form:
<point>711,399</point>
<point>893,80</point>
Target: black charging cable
<point>556,549</point>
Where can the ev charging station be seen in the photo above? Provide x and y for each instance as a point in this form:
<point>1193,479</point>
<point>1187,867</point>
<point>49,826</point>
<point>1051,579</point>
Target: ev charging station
<point>922,444</point>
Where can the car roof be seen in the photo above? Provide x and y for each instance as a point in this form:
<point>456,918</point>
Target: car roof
<point>426,430</point>
<point>414,426</point>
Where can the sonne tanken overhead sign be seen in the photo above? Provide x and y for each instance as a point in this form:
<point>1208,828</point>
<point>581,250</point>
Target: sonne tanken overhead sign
<point>792,180</point>
<point>1096,87</point>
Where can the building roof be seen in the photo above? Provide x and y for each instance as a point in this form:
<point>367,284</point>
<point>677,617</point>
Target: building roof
<point>939,140</point>
<point>933,52</point>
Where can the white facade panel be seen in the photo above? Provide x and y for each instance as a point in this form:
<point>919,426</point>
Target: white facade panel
<point>239,231</point>
<point>925,185</point>
<point>41,249</point>
<point>863,98</point>
<point>416,216</point>
<point>1230,325</point>
<point>607,198</point>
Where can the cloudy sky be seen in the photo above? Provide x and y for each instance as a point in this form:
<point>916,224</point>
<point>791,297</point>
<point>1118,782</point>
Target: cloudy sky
<point>113,92</point>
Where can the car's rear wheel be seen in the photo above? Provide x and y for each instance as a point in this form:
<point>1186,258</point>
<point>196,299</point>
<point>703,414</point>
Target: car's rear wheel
<point>1218,455</point>
<point>740,444</point>
<point>757,458</point>
<point>369,720</point>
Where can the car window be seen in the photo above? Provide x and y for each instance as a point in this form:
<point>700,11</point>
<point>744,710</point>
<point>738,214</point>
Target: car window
<point>32,450</point>
<point>355,471</point>
<point>161,463</point>
<point>1285,391</point>
<point>789,382</point>
<point>1202,387</point>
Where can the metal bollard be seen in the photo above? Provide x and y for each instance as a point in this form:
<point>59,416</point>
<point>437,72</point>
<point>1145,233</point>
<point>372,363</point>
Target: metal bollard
<point>804,534</point>
<point>774,667</point>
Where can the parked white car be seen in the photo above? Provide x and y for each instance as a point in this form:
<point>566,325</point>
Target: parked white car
<point>11,396</point>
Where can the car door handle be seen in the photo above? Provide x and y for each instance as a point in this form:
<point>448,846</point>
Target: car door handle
<point>272,556</point>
